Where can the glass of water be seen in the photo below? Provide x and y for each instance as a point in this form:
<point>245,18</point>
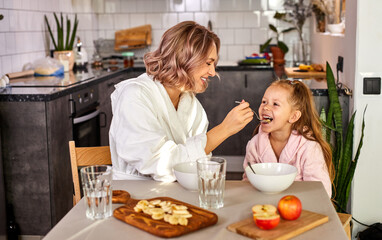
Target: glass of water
<point>96,186</point>
<point>211,182</point>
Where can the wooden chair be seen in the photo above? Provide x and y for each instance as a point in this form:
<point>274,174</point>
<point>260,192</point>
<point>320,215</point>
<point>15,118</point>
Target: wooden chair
<point>86,156</point>
<point>345,220</point>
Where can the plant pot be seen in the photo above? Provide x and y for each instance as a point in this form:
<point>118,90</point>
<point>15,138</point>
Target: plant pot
<point>66,58</point>
<point>278,61</point>
<point>277,53</point>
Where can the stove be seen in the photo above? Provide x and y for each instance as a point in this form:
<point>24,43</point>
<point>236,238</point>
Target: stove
<point>68,79</point>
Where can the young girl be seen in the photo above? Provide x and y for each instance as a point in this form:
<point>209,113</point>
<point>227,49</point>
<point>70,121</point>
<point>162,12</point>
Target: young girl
<point>291,133</point>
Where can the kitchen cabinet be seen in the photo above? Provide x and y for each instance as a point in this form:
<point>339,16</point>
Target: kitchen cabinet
<point>34,137</point>
<point>219,98</point>
<point>106,88</point>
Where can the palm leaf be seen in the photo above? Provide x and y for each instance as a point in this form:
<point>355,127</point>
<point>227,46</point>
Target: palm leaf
<point>283,46</point>
<point>273,28</point>
<point>50,32</point>
<point>288,29</point>
<point>60,46</point>
<point>265,45</point>
<point>67,32</point>
<point>70,47</point>
<point>335,113</point>
<point>353,164</point>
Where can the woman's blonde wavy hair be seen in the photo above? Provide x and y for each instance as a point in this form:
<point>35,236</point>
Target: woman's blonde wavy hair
<point>183,48</point>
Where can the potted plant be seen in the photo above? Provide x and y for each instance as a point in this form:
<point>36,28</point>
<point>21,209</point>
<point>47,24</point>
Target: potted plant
<point>280,44</point>
<point>278,51</point>
<point>63,50</point>
<point>296,14</point>
<point>342,148</point>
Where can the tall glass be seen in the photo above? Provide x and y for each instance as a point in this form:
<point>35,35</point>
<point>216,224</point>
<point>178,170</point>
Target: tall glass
<point>96,185</point>
<point>211,182</point>
<point>301,53</point>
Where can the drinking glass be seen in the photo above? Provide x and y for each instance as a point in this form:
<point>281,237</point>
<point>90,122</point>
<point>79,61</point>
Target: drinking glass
<point>211,182</point>
<point>96,186</point>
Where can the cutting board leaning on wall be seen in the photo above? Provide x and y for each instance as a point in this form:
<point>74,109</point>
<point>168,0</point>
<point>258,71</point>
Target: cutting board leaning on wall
<point>132,38</point>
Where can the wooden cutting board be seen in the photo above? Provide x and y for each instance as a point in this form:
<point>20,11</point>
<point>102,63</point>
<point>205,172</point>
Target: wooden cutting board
<point>201,218</point>
<point>285,229</point>
<point>290,72</point>
<point>132,38</point>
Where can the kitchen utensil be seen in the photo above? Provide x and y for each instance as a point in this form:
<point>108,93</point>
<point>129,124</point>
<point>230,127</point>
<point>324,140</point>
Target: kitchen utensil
<point>291,73</point>
<point>285,229</point>
<point>201,218</point>
<point>257,116</point>
<point>251,168</point>
<point>20,74</point>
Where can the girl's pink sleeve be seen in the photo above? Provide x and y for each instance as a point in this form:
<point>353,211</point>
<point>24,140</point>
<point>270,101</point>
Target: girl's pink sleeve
<point>314,167</point>
<point>251,154</point>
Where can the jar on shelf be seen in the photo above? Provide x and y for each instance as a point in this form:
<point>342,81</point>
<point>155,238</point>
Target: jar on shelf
<point>128,59</point>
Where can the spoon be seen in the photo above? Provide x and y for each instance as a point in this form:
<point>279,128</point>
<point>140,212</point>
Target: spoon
<point>257,116</point>
<point>251,168</point>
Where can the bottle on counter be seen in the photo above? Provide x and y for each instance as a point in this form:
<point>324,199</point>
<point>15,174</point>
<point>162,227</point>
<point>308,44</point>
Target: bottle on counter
<point>128,59</point>
<point>81,57</point>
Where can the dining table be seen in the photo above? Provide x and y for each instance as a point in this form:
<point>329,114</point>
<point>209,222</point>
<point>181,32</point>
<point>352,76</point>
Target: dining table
<point>239,197</point>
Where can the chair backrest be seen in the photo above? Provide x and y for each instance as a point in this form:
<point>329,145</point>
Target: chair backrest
<point>86,156</point>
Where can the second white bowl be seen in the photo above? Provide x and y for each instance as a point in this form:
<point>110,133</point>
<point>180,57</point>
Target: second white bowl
<point>187,175</point>
<point>271,177</point>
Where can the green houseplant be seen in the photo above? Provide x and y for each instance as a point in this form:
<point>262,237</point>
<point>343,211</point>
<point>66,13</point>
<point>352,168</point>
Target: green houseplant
<point>63,50</point>
<point>284,48</point>
<point>342,148</point>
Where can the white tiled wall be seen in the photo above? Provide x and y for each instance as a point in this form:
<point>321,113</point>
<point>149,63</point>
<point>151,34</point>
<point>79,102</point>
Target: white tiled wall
<point>242,25</point>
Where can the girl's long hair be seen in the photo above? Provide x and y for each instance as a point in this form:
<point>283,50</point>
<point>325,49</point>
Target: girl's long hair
<point>182,49</point>
<point>309,124</point>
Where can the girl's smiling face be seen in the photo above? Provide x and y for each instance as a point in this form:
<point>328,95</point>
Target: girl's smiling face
<point>207,69</point>
<point>276,107</point>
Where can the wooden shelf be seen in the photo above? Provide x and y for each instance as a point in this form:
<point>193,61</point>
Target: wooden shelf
<point>291,73</point>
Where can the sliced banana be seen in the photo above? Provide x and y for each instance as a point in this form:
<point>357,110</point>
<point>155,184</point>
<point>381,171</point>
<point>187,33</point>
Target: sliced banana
<point>169,212</point>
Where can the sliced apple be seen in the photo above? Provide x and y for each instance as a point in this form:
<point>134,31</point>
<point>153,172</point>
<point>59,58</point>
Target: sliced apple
<point>261,209</point>
<point>267,221</point>
<point>265,216</point>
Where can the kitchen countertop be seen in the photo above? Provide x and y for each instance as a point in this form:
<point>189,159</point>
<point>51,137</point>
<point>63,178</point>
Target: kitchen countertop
<point>31,89</point>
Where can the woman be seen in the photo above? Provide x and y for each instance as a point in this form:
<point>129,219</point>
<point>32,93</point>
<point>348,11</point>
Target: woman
<point>157,120</point>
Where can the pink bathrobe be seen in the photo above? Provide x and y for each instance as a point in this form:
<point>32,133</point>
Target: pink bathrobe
<point>304,154</point>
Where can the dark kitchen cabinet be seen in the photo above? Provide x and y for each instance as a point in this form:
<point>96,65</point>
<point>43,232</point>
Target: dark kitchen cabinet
<point>220,97</point>
<point>106,88</point>
<point>34,137</point>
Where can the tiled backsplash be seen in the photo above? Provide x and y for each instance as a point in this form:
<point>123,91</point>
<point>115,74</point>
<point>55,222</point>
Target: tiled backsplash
<point>242,25</point>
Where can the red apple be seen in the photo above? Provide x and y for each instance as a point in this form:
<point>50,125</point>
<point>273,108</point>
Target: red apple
<point>290,207</point>
<point>265,216</point>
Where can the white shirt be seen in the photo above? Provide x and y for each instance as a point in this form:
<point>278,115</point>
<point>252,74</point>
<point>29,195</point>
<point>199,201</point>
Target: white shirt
<point>148,136</point>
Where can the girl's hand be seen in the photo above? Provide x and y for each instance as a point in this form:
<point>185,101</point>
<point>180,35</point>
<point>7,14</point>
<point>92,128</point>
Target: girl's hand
<point>237,118</point>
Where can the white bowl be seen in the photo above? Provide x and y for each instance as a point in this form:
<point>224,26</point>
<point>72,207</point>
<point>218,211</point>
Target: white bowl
<point>187,175</point>
<point>271,177</point>
<point>336,28</point>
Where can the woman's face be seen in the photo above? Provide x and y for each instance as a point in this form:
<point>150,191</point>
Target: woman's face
<point>207,69</point>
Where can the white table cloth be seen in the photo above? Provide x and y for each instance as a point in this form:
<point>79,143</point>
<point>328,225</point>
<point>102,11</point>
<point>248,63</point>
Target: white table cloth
<point>239,198</point>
